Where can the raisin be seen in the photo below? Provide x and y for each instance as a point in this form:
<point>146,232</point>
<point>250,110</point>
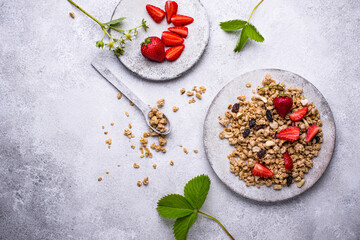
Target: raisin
<point>269,115</point>
<point>275,135</point>
<point>261,153</point>
<point>317,139</point>
<point>235,108</point>
<point>252,122</point>
<point>289,180</point>
<point>246,132</point>
<point>257,127</point>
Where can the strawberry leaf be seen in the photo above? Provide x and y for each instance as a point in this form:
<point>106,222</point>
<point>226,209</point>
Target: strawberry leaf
<point>242,40</point>
<point>232,25</point>
<point>183,225</point>
<point>115,21</point>
<point>196,190</point>
<point>253,33</point>
<point>174,206</point>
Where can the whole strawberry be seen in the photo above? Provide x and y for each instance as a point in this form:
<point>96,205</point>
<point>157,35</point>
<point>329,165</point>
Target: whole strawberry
<point>283,104</point>
<point>152,48</point>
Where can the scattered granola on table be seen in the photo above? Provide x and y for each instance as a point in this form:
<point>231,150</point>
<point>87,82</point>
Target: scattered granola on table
<point>160,103</point>
<point>275,136</point>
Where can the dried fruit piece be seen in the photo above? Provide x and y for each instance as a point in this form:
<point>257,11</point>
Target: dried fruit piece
<point>289,180</point>
<point>261,170</point>
<point>288,162</point>
<point>269,115</point>
<point>317,139</point>
<point>252,122</point>
<point>299,114</point>
<point>246,132</point>
<point>258,127</point>
<point>311,132</point>
<point>235,108</point>
<point>289,134</point>
<point>261,153</point>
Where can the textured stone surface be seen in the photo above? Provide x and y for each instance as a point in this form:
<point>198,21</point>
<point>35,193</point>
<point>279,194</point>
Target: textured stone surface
<point>213,143</point>
<point>53,104</point>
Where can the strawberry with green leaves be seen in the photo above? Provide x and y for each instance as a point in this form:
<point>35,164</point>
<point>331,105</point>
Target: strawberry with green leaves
<point>283,104</point>
<point>153,49</point>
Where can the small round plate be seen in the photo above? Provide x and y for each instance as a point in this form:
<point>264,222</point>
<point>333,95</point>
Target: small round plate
<point>195,43</point>
<point>217,150</point>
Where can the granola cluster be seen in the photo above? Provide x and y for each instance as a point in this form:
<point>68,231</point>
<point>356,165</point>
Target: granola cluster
<point>248,128</point>
<point>157,119</point>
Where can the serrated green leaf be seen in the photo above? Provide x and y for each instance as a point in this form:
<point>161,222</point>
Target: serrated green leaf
<point>174,206</point>
<point>253,33</point>
<point>115,21</point>
<point>196,190</point>
<point>232,25</point>
<point>242,39</point>
<point>183,225</point>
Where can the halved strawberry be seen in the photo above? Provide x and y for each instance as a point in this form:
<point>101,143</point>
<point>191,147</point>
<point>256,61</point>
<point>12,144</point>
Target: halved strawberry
<point>181,20</point>
<point>157,14</point>
<point>174,53</point>
<point>171,8</point>
<point>311,132</point>
<point>181,31</point>
<point>261,170</point>
<point>289,134</point>
<point>299,114</point>
<point>288,162</point>
<point>171,39</point>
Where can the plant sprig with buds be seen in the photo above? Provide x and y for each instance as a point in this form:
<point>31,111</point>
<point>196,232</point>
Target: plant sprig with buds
<point>115,44</point>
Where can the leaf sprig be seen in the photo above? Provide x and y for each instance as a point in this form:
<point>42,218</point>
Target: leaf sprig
<point>115,44</point>
<point>186,208</point>
<point>248,30</point>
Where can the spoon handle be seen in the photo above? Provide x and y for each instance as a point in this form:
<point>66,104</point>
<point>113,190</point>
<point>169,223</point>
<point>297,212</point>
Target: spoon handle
<point>111,78</point>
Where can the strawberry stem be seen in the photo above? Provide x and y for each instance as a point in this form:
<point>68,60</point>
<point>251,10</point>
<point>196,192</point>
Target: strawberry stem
<point>78,7</point>
<point>273,86</point>
<point>254,9</point>
<point>222,226</point>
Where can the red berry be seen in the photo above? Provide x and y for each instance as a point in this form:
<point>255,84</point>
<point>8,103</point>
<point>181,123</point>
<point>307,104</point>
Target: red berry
<point>174,53</point>
<point>171,39</point>
<point>289,134</point>
<point>181,20</point>
<point>288,162</point>
<point>311,132</point>
<point>261,170</point>
<point>157,14</point>
<point>283,105</point>
<point>153,48</point>
<point>299,114</point>
<point>171,8</point>
<point>181,31</point>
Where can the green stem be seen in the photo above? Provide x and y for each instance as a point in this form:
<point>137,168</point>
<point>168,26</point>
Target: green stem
<point>222,226</point>
<point>116,29</point>
<point>100,23</point>
<point>252,10</point>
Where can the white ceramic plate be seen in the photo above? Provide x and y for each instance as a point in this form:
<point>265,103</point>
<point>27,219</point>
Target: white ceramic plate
<point>195,43</point>
<point>217,150</point>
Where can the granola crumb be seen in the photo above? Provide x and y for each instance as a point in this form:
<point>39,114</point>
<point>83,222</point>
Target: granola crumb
<point>112,124</point>
<point>175,109</point>
<point>118,165</point>
<point>198,95</point>
<point>229,106</point>
<point>109,147</point>
<point>202,89</point>
<point>128,133</point>
<point>139,183</point>
<point>253,91</point>
<point>136,165</point>
<point>145,181</point>
<point>154,166</point>
<point>142,155</point>
<point>130,126</point>
<point>105,132</point>
<point>192,100</point>
<point>185,150</point>
<point>107,172</point>
<point>248,85</point>
<point>133,146</point>
<point>160,103</point>
<point>196,151</point>
<point>131,103</point>
<point>189,93</point>
<point>180,145</point>
<point>102,127</point>
<point>171,162</point>
<point>108,141</point>
<point>119,95</point>
<point>72,14</point>
<point>99,179</point>
<point>182,91</point>
<point>127,114</point>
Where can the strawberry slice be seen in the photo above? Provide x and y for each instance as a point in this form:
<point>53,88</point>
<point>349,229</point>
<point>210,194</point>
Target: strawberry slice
<point>171,39</point>
<point>311,132</point>
<point>288,161</point>
<point>181,31</point>
<point>261,170</point>
<point>157,14</point>
<point>171,8</point>
<point>289,134</point>
<point>181,20</point>
<point>174,53</point>
<point>299,114</point>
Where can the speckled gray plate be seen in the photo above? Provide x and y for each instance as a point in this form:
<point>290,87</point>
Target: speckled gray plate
<point>195,43</point>
<point>217,149</point>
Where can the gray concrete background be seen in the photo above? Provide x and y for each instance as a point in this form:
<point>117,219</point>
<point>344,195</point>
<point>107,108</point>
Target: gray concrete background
<point>53,105</point>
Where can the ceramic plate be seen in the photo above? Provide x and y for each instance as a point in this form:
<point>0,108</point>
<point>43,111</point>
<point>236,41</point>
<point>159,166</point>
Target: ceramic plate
<point>195,43</point>
<point>217,150</point>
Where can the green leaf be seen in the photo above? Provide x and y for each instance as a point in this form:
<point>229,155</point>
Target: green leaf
<point>242,40</point>
<point>232,25</point>
<point>115,21</point>
<point>253,33</point>
<point>196,190</point>
<point>183,225</point>
<point>174,206</point>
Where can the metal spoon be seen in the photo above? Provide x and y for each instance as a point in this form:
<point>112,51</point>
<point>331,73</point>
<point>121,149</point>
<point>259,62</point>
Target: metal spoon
<point>145,109</point>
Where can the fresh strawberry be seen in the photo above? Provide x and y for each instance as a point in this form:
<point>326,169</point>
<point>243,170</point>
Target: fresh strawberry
<point>288,161</point>
<point>157,14</point>
<point>174,53</point>
<point>289,134</point>
<point>181,20</point>
<point>171,8</point>
<point>261,170</point>
<point>283,104</point>
<point>153,48</point>
<point>181,31</point>
<point>311,132</point>
<point>171,39</point>
<point>299,114</point>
